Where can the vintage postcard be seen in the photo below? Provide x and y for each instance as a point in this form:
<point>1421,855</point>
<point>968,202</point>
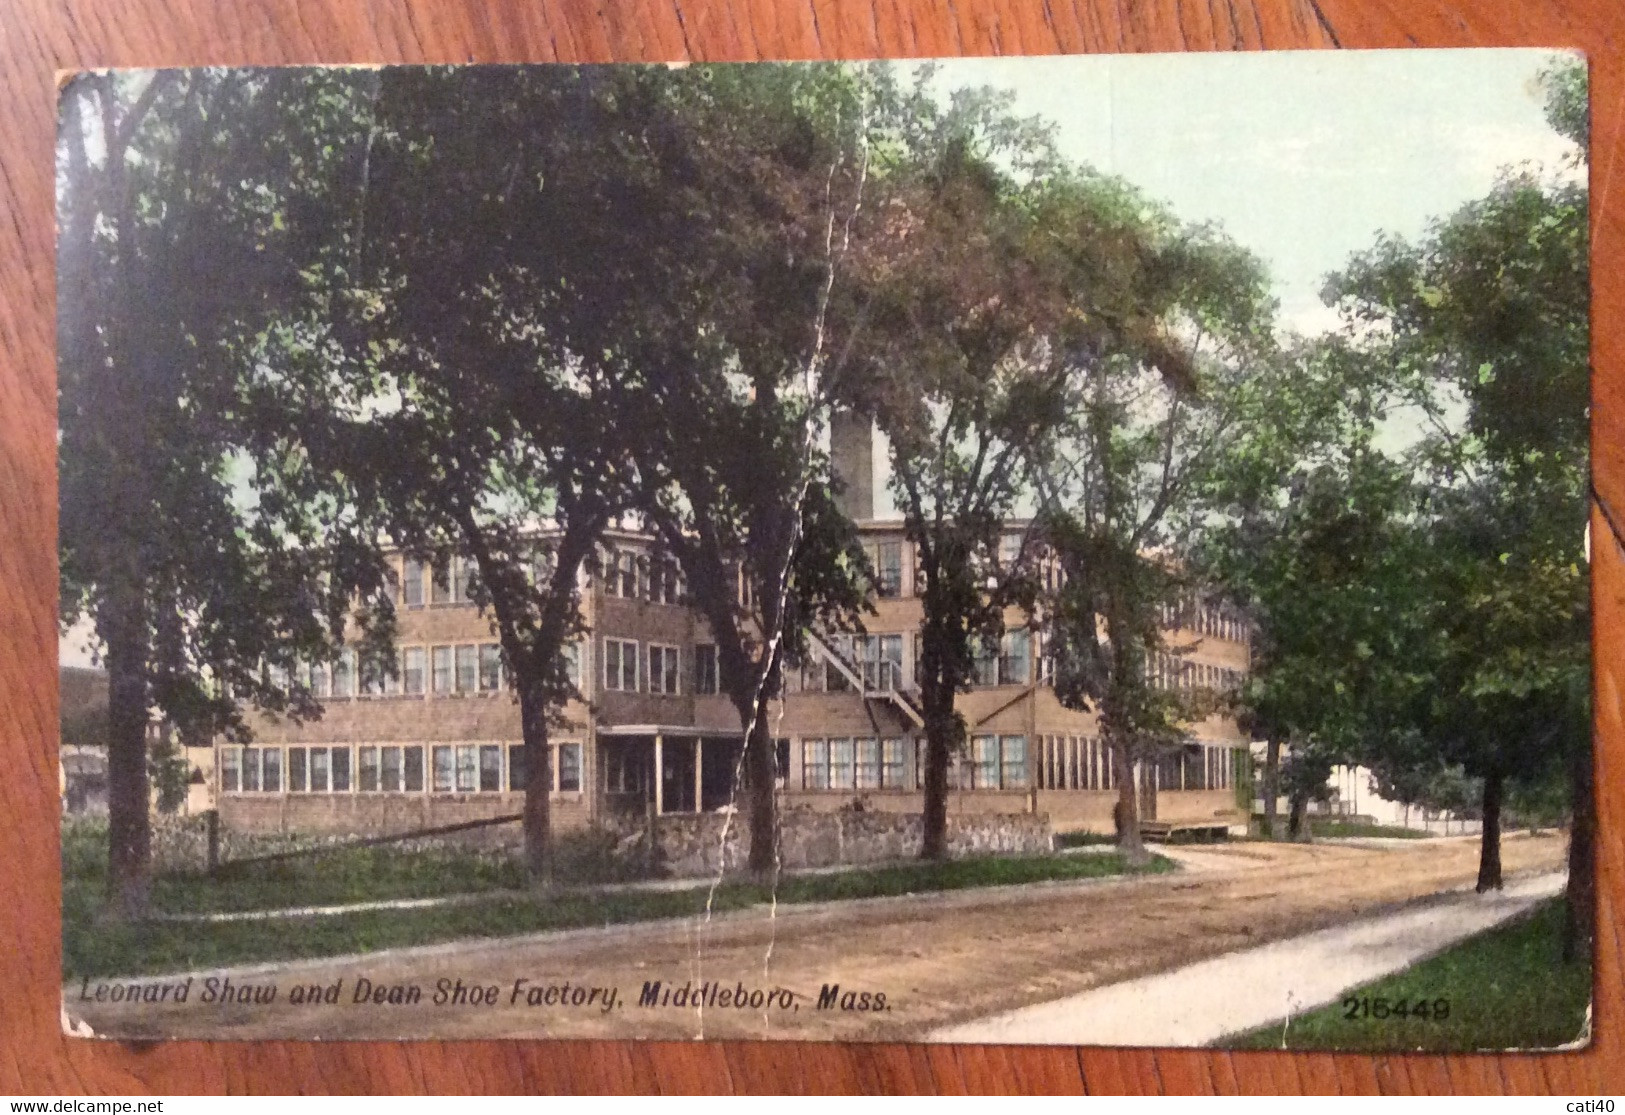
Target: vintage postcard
<point>1080,550</point>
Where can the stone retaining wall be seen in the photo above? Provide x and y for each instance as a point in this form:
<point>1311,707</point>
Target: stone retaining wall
<point>691,844</point>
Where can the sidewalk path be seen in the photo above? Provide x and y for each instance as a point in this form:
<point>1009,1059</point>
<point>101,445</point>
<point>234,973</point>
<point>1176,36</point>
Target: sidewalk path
<point>1201,1003</point>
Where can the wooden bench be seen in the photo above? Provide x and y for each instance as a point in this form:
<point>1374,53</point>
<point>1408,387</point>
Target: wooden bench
<point>1201,832</point>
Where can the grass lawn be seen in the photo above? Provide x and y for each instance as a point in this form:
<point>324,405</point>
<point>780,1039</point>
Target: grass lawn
<point>1083,839</point>
<point>1345,828</point>
<point>92,947</point>
<point>1505,989</point>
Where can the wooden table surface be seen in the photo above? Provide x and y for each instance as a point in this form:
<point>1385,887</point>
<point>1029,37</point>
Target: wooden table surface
<point>39,37</point>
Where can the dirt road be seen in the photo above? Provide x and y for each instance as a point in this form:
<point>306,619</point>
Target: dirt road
<point>916,963</point>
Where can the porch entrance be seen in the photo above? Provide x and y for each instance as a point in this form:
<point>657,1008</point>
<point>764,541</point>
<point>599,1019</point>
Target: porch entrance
<point>695,772</point>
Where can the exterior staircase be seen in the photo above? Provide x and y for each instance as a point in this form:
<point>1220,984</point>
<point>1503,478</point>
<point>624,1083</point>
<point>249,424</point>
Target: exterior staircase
<point>888,690</point>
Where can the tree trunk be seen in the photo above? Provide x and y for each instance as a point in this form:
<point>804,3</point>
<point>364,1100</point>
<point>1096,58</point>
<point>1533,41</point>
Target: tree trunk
<point>761,772</point>
<point>1297,824</point>
<point>1127,813</point>
<point>1489,841</point>
<point>1580,914</point>
<point>941,731</point>
<point>538,788</point>
<point>1272,786</point>
<point>129,825</point>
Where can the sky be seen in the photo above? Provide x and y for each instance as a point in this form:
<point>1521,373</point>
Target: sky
<point>1301,156</point>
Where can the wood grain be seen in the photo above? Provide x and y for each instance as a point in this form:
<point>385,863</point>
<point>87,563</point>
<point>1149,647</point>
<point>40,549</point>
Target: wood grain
<point>40,37</point>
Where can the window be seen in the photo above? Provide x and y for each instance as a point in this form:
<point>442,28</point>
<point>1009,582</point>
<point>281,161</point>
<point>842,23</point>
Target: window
<point>344,674</point>
<point>297,781</point>
<point>864,763</point>
<point>442,671</point>
<point>1009,550</point>
<point>341,770</point>
<point>888,562</point>
<point>986,668</point>
<point>412,769</point>
<point>463,768</point>
<point>566,768</point>
<point>983,769</point>
<point>366,769</point>
<point>462,581</point>
<point>440,583</point>
<point>412,583</point>
<point>1013,749</point>
<point>572,663</point>
<point>467,669</point>
<point>318,680</point>
<point>271,773</point>
<point>665,582</point>
<point>995,762</point>
<point>623,576</point>
<point>866,775</point>
<point>663,670</point>
<point>621,665</point>
<point>467,769</point>
<point>569,767</point>
<point>815,764</point>
<point>1015,658</point>
<point>882,660</point>
<point>319,770</point>
<point>412,671</point>
<point>490,767</point>
<point>891,764</point>
<point>705,668</point>
<point>372,679</point>
<point>389,769</point>
<point>490,667</point>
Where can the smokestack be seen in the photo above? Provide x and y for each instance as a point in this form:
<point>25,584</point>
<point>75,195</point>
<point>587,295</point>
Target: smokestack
<point>852,460</point>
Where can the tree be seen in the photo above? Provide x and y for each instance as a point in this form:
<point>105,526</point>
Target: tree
<point>731,384</point>
<point>958,379</point>
<point>211,562</point>
<point>1154,403</point>
<point>481,329</point>
<point>1490,309</point>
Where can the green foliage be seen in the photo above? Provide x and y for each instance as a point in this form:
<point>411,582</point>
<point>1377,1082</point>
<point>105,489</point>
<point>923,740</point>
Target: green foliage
<point>1568,108</point>
<point>190,204</point>
<point>168,772</point>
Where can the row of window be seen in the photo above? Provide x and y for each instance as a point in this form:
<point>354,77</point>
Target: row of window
<point>625,574</point>
<point>633,667</point>
<point>1073,763</point>
<point>629,575</point>
<point>1205,768</point>
<point>390,768</point>
<point>1085,763</point>
<point>1204,618</point>
<point>878,660</point>
<point>442,671</point>
<point>476,668</point>
<point>870,763</point>
<point>633,575</point>
<point>1169,671</point>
